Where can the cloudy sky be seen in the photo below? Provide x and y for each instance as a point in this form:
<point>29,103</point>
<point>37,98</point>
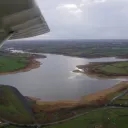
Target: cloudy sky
<point>85,19</point>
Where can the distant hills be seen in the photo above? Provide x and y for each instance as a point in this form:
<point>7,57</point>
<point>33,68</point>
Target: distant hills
<point>67,41</point>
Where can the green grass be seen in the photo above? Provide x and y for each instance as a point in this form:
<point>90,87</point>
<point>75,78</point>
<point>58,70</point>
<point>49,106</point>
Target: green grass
<point>119,117</point>
<point>83,121</point>
<point>122,100</point>
<point>81,49</point>
<point>112,68</point>
<point>107,118</point>
<point>12,108</point>
<point>9,64</point>
<point>110,97</point>
<point>121,64</point>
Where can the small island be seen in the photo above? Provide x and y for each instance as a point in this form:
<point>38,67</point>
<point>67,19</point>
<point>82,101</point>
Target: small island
<point>105,69</point>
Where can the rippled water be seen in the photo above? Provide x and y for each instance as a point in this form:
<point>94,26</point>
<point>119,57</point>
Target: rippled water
<point>54,80</point>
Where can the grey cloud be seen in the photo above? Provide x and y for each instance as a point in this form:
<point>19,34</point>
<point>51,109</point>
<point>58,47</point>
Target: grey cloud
<point>86,19</point>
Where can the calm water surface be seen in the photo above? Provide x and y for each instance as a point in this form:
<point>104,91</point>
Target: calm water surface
<point>54,80</point>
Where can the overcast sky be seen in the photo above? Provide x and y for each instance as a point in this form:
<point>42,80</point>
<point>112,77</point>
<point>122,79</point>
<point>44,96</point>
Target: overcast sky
<point>85,19</point>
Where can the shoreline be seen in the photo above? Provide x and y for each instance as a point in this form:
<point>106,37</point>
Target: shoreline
<point>33,64</point>
<point>85,100</point>
<point>87,57</point>
<point>103,95</point>
<point>87,69</point>
<point>98,76</point>
<point>95,99</point>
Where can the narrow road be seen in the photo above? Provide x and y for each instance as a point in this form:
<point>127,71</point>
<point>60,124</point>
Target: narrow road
<point>119,96</point>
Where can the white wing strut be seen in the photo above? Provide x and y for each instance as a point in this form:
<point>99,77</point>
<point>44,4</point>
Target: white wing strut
<point>21,19</point>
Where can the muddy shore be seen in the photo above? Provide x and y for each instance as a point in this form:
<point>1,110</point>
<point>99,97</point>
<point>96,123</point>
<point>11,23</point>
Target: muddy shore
<point>99,98</point>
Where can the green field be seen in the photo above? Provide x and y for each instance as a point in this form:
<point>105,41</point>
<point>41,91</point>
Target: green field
<point>79,48</point>
<point>122,100</point>
<point>109,69</point>
<point>12,63</point>
<point>103,118</point>
<point>100,118</point>
<point>83,121</point>
<point>12,106</point>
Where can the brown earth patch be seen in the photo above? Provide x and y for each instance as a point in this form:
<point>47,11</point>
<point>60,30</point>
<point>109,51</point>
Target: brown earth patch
<point>96,99</point>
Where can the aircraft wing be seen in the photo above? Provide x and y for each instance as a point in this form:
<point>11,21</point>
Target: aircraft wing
<point>21,19</point>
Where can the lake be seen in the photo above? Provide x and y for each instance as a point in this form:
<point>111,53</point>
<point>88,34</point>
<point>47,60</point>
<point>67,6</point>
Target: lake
<point>54,80</point>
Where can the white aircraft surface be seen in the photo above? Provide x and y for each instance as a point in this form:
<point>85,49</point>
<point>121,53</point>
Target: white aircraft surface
<point>20,19</point>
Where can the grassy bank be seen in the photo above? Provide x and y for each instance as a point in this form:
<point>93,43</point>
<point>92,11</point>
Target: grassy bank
<point>10,64</point>
<point>13,106</point>
<point>15,63</point>
<point>106,70</point>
